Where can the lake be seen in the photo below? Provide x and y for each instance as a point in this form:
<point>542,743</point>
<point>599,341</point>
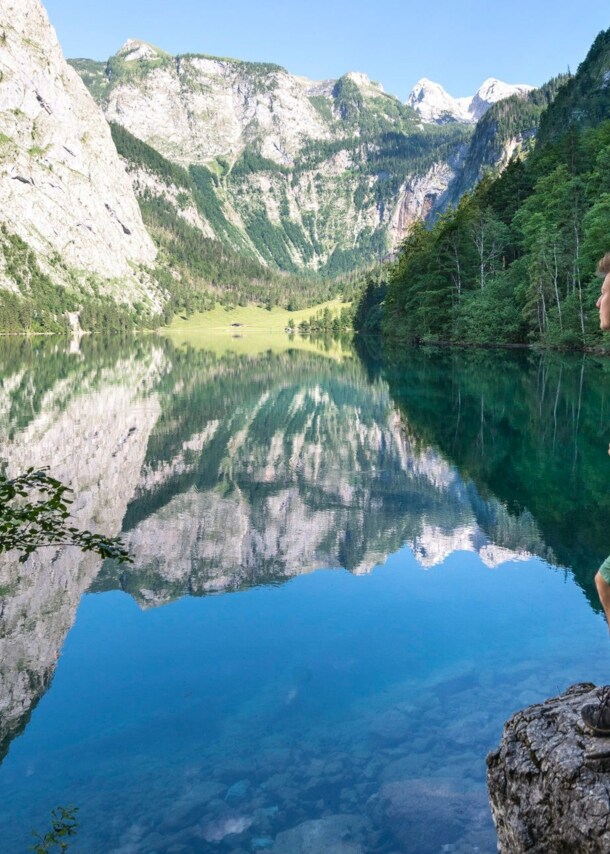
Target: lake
<point>347,574</point>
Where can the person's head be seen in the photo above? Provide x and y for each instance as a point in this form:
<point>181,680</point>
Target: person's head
<point>603,265</point>
<point>603,303</point>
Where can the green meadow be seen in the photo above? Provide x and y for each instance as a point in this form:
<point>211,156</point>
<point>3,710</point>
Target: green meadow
<point>251,329</point>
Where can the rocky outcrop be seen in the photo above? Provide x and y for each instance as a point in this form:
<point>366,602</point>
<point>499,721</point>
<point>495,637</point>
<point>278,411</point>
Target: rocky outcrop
<point>549,780</point>
<point>63,189</point>
<point>418,197</point>
<point>196,108</point>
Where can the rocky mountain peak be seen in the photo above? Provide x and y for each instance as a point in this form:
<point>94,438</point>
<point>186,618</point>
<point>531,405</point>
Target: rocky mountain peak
<point>134,49</point>
<point>436,106</point>
<point>426,89</point>
<point>364,83</point>
<point>490,92</point>
<point>425,86</point>
<point>433,103</point>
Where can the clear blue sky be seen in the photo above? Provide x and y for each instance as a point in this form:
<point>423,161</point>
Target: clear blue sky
<point>457,43</point>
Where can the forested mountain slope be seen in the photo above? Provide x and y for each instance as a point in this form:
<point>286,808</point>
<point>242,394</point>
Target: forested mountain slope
<point>181,213</point>
<point>515,261</point>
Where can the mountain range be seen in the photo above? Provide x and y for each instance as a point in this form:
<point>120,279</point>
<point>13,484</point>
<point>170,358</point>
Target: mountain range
<point>321,175</point>
<point>264,174</point>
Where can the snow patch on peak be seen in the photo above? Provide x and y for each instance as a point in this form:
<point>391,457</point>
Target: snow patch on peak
<point>436,106</point>
<point>433,103</point>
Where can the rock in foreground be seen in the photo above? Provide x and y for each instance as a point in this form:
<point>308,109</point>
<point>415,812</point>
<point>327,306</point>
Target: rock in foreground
<point>549,781</point>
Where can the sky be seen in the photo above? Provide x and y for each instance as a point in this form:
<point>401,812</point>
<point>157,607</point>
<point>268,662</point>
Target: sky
<point>457,43</point>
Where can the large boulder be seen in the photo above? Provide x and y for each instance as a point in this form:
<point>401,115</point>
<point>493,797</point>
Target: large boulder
<point>549,780</point>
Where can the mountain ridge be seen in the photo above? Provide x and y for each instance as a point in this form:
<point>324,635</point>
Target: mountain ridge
<point>323,176</point>
<point>281,176</point>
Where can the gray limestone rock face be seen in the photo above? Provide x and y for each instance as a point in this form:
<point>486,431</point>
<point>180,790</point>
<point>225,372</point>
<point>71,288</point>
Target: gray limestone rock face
<point>315,151</point>
<point>63,188</point>
<point>549,782</point>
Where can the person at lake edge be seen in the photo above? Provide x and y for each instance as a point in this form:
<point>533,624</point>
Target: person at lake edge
<point>597,715</point>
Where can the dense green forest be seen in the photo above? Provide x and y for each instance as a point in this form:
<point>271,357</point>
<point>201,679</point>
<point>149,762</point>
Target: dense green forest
<point>514,262</point>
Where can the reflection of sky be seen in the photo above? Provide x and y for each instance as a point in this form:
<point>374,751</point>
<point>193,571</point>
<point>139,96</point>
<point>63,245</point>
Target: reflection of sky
<point>139,696</point>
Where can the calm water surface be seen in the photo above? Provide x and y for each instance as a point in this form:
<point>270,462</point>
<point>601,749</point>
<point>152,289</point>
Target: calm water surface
<point>347,575</point>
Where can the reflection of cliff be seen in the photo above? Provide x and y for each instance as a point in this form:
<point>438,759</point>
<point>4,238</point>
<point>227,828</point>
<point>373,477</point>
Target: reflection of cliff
<point>262,469</point>
<point>91,428</point>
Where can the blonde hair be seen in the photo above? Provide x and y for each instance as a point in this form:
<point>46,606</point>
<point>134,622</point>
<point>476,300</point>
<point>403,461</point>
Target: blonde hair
<point>603,265</point>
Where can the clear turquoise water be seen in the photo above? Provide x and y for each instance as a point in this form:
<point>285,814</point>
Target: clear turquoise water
<point>300,692</point>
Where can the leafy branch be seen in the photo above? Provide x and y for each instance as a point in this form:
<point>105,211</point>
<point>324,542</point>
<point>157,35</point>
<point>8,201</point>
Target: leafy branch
<point>34,514</point>
<point>63,824</point>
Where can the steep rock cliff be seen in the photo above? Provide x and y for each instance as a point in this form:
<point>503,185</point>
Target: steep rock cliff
<point>63,189</point>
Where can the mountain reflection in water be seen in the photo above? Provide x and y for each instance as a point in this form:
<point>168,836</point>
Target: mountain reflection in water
<point>228,472</point>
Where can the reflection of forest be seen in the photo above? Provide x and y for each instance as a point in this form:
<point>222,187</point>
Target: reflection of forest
<point>531,430</point>
<point>225,472</point>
